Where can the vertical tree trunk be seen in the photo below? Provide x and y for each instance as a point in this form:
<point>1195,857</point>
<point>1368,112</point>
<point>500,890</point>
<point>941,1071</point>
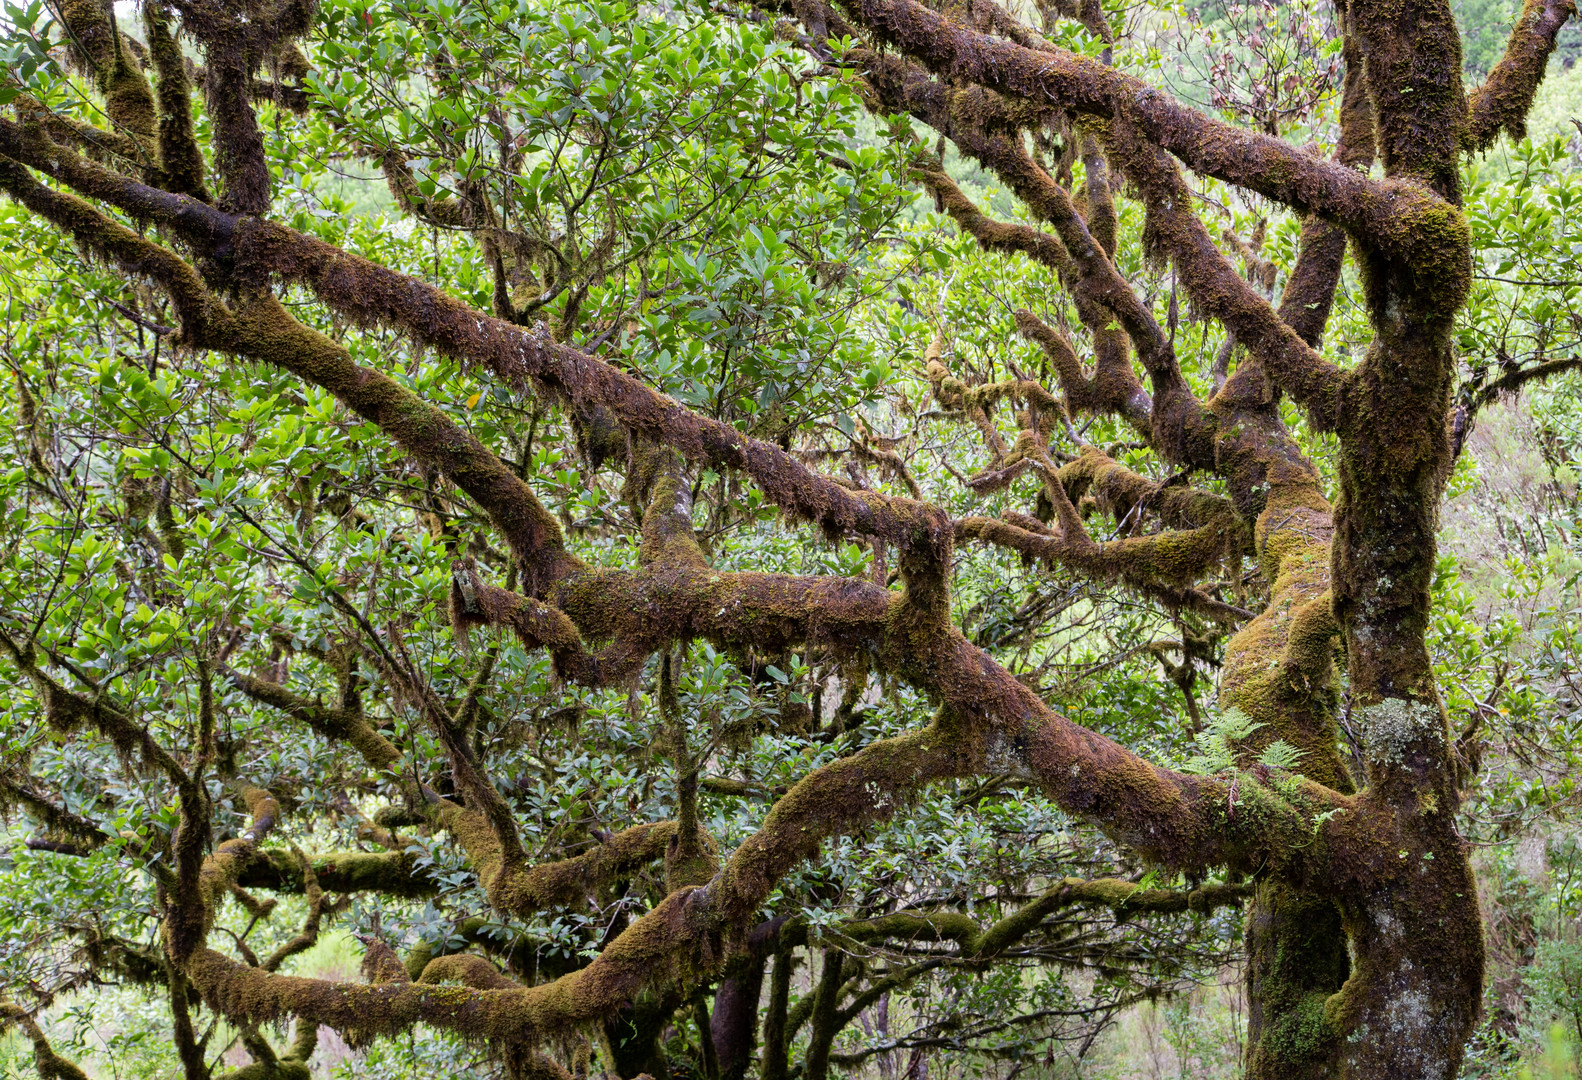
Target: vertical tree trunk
<point>1410,902</point>
<point>826,1002</point>
<point>1296,960</point>
<point>631,1037</point>
<point>734,1022</point>
<point>775,1057</point>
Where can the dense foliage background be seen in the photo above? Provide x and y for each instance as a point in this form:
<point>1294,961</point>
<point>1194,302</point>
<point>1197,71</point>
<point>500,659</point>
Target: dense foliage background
<point>715,213</point>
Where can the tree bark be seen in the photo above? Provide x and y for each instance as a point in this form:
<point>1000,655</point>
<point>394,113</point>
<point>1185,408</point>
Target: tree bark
<point>776,1057</point>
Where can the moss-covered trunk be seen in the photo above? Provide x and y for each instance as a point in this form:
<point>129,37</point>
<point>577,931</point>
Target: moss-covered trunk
<point>1408,893</point>
<point>1296,959</point>
<point>1280,671</point>
<point>632,1037</point>
<point>1409,897</point>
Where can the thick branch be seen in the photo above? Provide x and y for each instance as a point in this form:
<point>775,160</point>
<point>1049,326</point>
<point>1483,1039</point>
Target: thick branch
<point>369,293</point>
<point>264,330</point>
<point>1506,96</point>
<point>1112,388</point>
<point>1162,565</point>
<point>977,942</point>
<point>1310,379</point>
<point>1413,58</point>
<point>1392,213</point>
<point>238,143</point>
<point>338,725</point>
<point>390,873</point>
<point>468,969</point>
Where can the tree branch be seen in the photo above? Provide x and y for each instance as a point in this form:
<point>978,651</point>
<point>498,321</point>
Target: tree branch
<point>1392,213</point>
<point>369,293</point>
<point>1309,292</point>
<point>1311,380</point>
<point>50,1065</point>
<point>1504,99</point>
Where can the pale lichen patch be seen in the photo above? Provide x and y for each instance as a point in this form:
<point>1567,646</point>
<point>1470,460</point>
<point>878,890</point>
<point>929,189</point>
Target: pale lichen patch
<point>1390,727</point>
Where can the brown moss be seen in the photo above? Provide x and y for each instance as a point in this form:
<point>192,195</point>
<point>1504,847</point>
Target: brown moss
<point>364,290</point>
<point>1125,494</point>
<point>537,625</point>
<point>1170,558</point>
<point>1502,102</point>
<point>381,965</point>
<point>50,1065</point>
<point>341,725</point>
<point>1183,823</point>
<point>1392,468</point>
<point>1180,821</point>
<point>180,158</point>
<point>988,128</point>
<point>266,331</point>
<point>1162,564</point>
<point>673,943</point>
<point>1102,218</point>
<point>1309,293</point>
<point>991,235</point>
<point>599,437</point>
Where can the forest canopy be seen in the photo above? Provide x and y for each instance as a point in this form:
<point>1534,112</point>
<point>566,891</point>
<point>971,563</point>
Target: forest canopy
<point>553,538</point>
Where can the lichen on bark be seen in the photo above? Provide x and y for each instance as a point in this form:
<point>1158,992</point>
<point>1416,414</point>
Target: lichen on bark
<point>1364,942</point>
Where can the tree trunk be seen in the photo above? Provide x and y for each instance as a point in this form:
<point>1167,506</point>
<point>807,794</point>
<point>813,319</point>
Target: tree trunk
<point>734,1022</point>
<point>1296,959</point>
<point>822,1025</point>
<point>632,1037</point>
<point>775,1057</point>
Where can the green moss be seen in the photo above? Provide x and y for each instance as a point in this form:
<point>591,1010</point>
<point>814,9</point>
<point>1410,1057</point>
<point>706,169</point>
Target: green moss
<point>1303,1032</point>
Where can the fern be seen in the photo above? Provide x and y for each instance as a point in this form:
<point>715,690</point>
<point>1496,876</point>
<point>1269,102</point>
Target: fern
<point>1280,755</point>
<point>1216,743</point>
<point>1233,725</point>
<point>1216,746</point>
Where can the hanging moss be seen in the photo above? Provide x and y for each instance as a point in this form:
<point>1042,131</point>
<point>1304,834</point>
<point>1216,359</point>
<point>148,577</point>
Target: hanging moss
<point>1383,870</point>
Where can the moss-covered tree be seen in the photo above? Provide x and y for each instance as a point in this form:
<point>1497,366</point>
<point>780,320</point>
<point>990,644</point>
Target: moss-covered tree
<point>1363,933</point>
